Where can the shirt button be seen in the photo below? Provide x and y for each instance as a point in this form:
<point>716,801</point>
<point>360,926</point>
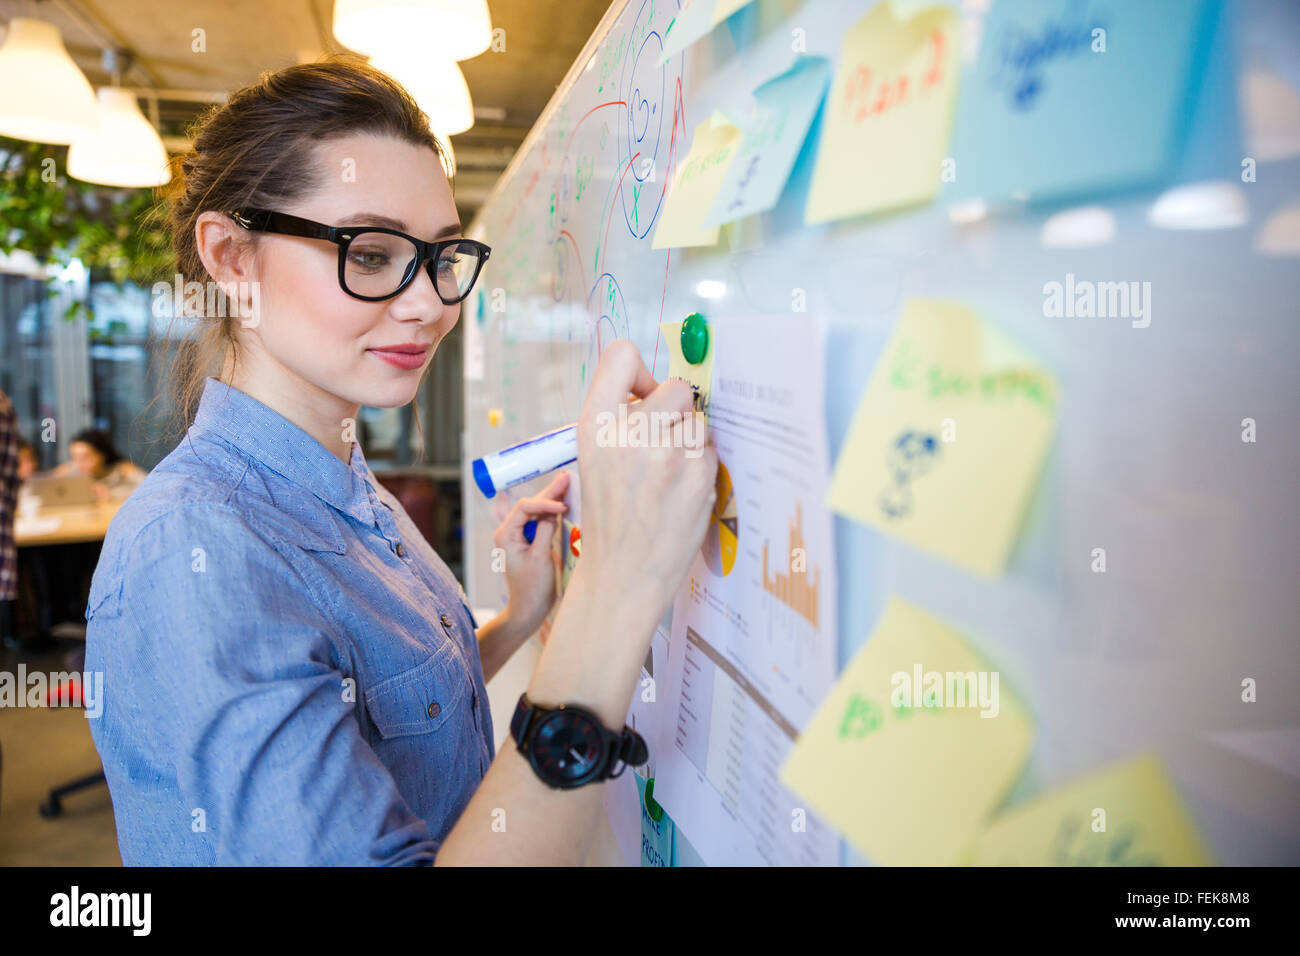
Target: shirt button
<point>401,552</point>
<point>434,709</point>
<point>446,622</point>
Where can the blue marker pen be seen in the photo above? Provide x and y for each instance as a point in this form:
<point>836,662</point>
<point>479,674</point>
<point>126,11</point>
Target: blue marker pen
<point>553,450</point>
<point>528,459</point>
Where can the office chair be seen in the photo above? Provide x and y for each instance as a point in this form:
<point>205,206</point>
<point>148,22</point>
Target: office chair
<point>53,806</point>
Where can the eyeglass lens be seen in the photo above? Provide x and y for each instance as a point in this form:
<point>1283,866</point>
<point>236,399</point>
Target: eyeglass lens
<point>376,263</point>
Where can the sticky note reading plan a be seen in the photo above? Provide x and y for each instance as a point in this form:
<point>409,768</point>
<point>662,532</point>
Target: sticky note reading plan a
<point>696,184</point>
<point>949,438</point>
<point>914,746</point>
<point>1125,815</point>
<point>885,133</point>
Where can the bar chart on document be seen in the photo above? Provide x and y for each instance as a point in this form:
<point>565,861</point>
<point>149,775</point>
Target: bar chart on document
<point>753,629</point>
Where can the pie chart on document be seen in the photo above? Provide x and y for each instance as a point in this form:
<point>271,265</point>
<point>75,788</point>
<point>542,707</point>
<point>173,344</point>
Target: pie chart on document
<point>724,528</point>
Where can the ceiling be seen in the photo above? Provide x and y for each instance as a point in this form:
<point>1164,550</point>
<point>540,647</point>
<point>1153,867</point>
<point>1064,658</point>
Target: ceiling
<point>243,38</point>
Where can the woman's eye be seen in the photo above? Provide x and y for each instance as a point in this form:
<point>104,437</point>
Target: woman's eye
<point>448,265</point>
<point>368,259</point>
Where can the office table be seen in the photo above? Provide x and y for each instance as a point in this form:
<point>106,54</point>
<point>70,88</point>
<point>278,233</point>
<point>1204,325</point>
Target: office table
<point>70,525</point>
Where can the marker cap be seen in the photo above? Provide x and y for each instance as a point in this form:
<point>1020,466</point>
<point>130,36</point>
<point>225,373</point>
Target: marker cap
<point>483,479</point>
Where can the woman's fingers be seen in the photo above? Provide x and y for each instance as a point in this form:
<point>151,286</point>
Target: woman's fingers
<point>673,397</point>
<point>524,511</point>
<point>532,507</point>
<point>545,525</point>
<point>558,487</point>
<point>541,508</point>
<point>619,371</point>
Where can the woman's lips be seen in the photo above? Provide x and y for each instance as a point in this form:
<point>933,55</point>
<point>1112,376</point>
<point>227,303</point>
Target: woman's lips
<point>404,359</point>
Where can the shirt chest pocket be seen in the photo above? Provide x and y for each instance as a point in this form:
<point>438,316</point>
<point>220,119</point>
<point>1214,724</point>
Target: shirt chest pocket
<point>422,699</point>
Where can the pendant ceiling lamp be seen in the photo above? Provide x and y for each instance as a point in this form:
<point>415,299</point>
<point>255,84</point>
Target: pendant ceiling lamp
<point>437,85</point>
<point>126,151</point>
<point>458,29</point>
<point>44,97</point>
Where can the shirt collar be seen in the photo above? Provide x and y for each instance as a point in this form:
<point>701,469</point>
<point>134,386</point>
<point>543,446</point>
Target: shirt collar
<point>267,436</point>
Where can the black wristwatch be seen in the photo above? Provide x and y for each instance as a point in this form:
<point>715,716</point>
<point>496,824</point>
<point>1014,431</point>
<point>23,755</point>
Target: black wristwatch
<point>568,746</point>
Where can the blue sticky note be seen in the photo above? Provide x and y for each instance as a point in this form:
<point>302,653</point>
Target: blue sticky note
<point>1212,149</point>
<point>530,530</point>
<point>1077,97</point>
<point>656,835</point>
<point>785,107</point>
<point>744,26</point>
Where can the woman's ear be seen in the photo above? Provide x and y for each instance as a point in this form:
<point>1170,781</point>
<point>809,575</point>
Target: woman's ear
<point>223,250</point>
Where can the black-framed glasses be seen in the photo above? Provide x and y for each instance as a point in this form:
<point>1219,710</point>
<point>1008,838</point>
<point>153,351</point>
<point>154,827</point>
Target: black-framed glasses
<point>377,263</point>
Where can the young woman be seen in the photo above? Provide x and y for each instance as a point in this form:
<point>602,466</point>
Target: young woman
<point>93,454</point>
<point>291,674</point>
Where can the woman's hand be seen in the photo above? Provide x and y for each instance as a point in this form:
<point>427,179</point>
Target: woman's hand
<point>530,568</point>
<point>645,509</point>
<point>646,505</point>
<point>101,491</point>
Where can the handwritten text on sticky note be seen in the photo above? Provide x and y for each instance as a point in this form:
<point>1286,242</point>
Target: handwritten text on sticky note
<point>696,184</point>
<point>773,136</point>
<point>885,134</point>
<point>914,746</point>
<point>949,438</point>
<point>1125,815</point>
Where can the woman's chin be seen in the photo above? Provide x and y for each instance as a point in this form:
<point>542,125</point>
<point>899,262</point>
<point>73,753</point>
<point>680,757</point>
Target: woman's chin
<point>392,394</point>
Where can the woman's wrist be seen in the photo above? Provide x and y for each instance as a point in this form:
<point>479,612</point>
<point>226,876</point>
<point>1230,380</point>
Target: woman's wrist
<point>594,652</point>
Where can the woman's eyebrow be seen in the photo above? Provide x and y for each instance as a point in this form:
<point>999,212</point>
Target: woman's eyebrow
<point>373,219</point>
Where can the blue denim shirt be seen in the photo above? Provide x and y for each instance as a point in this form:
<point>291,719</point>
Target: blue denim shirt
<point>291,674</point>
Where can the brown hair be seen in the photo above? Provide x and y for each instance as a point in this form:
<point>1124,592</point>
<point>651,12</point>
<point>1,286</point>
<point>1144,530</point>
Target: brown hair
<point>250,151</point>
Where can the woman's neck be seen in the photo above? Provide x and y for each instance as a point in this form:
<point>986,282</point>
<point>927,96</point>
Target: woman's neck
<point>322,415</point>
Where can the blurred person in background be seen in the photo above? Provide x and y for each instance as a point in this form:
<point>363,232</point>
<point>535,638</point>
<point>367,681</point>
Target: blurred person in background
<point>28,464</point>
<point>92,453</point>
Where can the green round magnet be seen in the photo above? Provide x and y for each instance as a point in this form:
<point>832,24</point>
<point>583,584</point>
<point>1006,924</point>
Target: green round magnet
<point>656,812</point>
<point>695,338</point>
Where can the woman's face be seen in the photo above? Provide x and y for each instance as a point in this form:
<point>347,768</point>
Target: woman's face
<point>26,463</point>
<point>85,459</point>
<point>307,324</point>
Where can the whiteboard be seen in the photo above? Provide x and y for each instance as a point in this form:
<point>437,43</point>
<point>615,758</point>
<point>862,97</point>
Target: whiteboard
<point>1201,530</point>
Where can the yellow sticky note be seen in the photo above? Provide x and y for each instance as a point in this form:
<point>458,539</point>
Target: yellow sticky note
<point>889,115</point>
<point>696,184</point>
<point>949,438</point>
<point>701,376</point>
<point>901,757</point>
<point>1126,815</point>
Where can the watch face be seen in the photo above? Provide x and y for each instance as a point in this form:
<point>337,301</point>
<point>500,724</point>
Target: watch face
<point>566,747</point>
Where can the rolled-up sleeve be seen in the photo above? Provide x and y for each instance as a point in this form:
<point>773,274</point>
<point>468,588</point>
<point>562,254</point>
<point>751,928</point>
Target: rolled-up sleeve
<point>250,697</point>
